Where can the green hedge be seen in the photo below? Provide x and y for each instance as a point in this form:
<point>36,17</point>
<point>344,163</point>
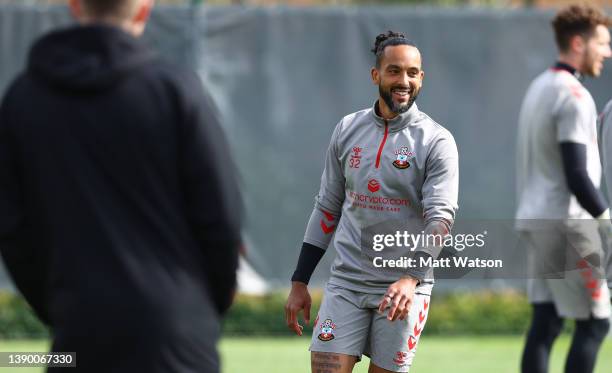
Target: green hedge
<point>483,312</point>
<point>459,313</point>
<point>17,319</point>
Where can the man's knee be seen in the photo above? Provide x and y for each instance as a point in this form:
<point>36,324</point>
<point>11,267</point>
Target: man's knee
<point>327,362</point>
<point>593,328</point>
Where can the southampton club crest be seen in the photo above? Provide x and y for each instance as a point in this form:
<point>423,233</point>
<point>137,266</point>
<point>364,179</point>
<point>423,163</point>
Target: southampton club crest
<point>401,161</point>
<point>327,330</point>
<point>400,358</point>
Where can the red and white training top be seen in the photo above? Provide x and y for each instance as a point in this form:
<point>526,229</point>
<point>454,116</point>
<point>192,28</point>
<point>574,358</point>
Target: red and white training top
<point>376,171</point>
<point>556,108</point>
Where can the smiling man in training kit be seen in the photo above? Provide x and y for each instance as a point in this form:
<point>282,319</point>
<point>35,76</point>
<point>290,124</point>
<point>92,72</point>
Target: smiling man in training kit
<point>388,162</point>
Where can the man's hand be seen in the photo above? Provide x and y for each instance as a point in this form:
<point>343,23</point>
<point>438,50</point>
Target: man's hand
<point>299,299</point>
<point>399,298</point>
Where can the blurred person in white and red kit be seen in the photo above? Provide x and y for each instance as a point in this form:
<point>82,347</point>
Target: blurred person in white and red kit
<point>560,207</point>
<point>120,211</point>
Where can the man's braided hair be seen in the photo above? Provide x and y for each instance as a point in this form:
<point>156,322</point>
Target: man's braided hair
<point>387,39</point>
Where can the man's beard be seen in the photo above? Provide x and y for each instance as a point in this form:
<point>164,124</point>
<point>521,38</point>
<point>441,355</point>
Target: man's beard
<point>588,69</point>
<point>398,108</point>
<point>588,65</point>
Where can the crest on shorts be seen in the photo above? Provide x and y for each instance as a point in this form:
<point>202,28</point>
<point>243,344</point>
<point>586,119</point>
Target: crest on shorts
<point>400,358</point>
<point>401,161</point>
<point>327,330</point>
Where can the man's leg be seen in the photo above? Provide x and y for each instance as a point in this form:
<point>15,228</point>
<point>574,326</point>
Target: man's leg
<point>393,344</point>
<point>546,261</point>
<point>592,322</point>
<point>545,327</point>
<point>328,362</point>
<point>340,331</point>
<point>588,336</point>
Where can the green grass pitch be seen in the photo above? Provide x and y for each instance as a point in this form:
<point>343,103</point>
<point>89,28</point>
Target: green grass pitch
<point>435,355</point>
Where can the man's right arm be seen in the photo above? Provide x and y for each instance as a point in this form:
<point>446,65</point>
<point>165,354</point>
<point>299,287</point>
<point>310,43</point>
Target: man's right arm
<point>326,213</point>
<point>319,231</point>
<point>574,158</point>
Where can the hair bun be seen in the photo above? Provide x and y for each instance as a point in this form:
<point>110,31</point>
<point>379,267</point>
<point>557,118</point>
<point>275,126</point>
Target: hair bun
<point>381,38</point>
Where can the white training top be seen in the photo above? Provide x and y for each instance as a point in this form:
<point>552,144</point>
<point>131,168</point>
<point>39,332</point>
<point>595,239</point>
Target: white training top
<point>557,108</point>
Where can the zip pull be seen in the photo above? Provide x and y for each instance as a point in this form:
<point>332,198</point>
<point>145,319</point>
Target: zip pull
<point>382,144</point>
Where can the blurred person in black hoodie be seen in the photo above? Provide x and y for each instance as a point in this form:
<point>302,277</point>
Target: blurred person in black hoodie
<point>119,206</point>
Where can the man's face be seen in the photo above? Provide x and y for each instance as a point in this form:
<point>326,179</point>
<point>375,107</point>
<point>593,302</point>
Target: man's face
<point>399,77</point>
<point>596,51</point>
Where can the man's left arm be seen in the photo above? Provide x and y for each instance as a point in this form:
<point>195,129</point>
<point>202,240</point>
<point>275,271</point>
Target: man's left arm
<point>440,192</point>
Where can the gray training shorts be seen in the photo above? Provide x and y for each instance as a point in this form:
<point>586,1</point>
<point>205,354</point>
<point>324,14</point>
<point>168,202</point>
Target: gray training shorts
<point>560,274</point>
<point>348,323</point>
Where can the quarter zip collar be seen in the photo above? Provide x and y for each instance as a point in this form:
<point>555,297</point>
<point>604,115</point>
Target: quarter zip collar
<point>398,123</point>
<point>559,66</point>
